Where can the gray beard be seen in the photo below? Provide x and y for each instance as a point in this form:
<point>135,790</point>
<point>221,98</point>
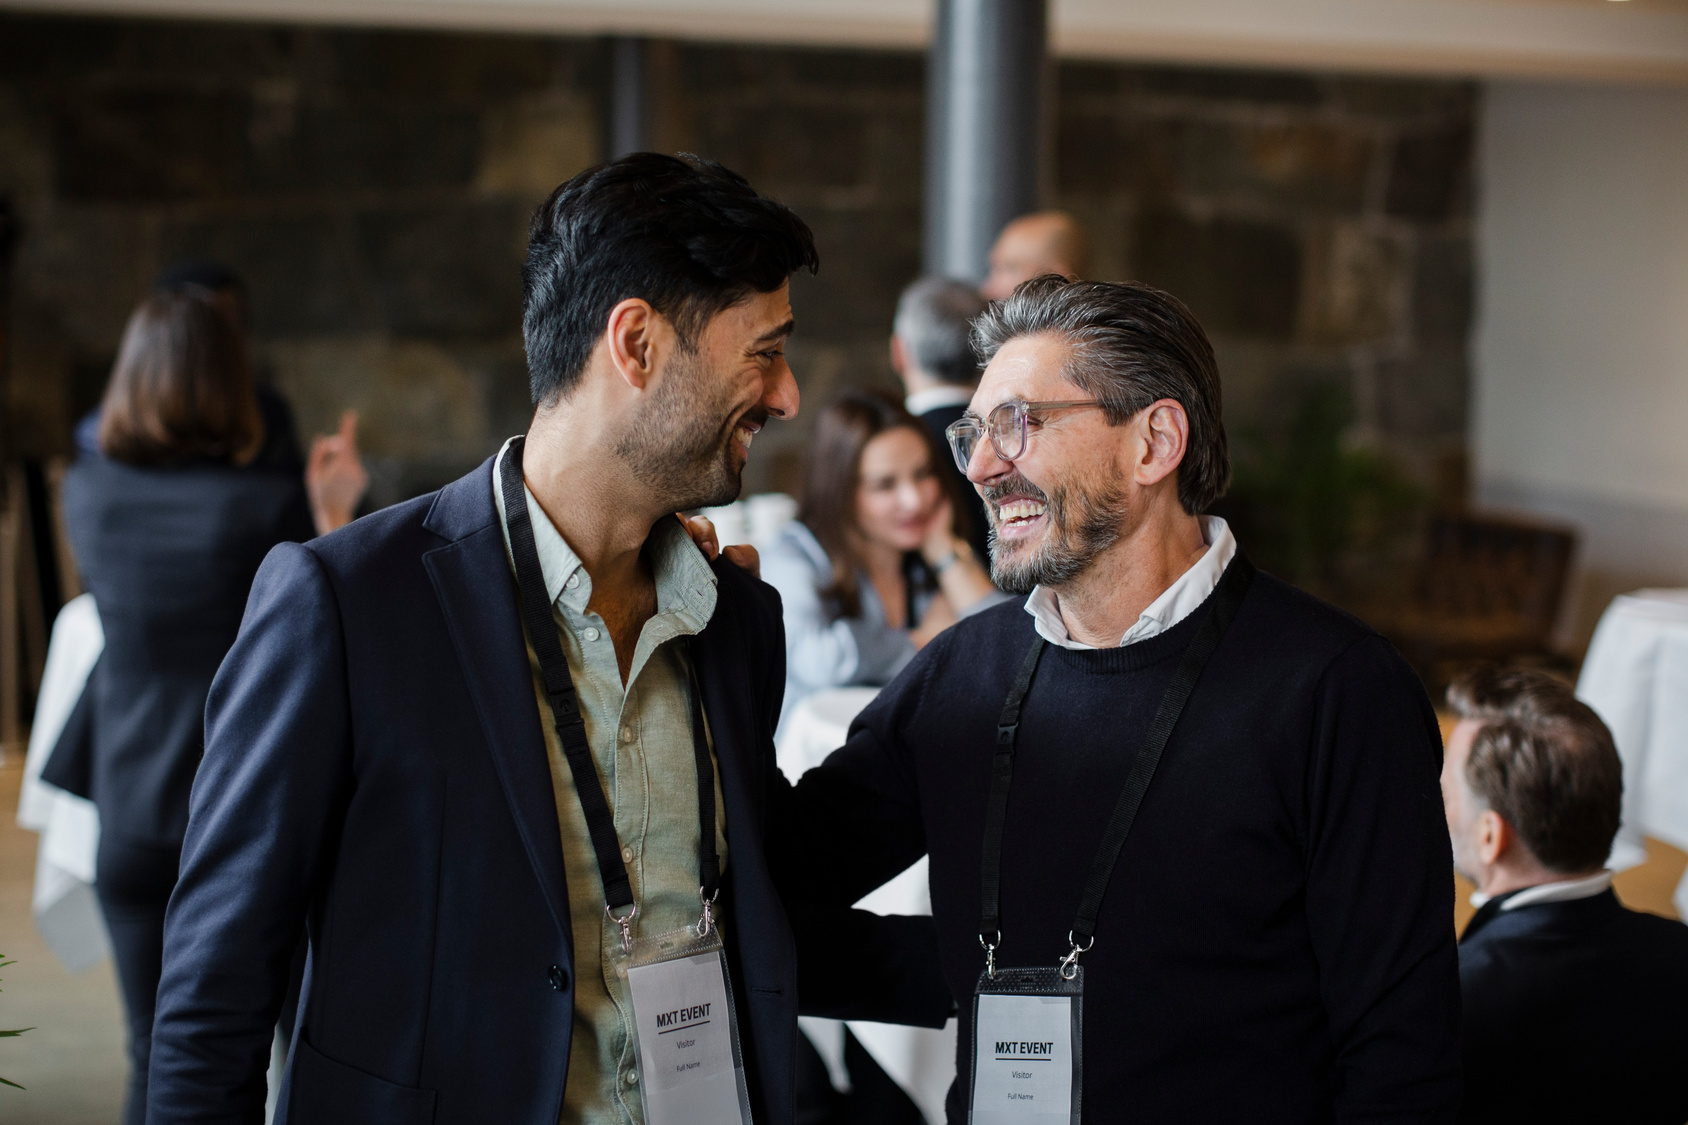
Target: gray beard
<point>673,449</point>
<point>1081,526</point>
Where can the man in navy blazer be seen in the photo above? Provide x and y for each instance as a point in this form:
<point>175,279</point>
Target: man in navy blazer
<point>379,763</point>
<point>1573,1004</point>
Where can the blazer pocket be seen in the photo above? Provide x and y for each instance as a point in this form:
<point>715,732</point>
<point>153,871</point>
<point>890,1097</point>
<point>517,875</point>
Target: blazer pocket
<point>324,1092</point>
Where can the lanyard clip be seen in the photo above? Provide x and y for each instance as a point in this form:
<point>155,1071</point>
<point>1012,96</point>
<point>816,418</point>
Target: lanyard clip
<point>707,922</point>
<point>625,922</point>
<point>989,945</point>
<point>1069,963</point>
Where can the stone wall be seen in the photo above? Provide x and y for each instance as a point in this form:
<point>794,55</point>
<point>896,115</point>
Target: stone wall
<point>1318,226</point>
<point>374,187</point>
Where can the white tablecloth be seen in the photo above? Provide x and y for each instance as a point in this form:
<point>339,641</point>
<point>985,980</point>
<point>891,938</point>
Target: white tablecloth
<point>1636,678</point>
<point>919,1059</point>
<point>66,911</point>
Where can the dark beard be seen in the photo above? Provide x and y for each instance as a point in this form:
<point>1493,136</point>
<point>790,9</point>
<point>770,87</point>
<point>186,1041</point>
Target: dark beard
<point>682,446</point>
<point>1082,524</point>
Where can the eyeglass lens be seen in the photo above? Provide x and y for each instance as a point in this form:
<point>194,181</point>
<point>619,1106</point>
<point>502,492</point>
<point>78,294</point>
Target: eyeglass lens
<point>1006,426</point>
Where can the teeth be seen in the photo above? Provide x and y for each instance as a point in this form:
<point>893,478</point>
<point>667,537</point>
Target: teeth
<point>1019,510</point>
<point>745,437</point>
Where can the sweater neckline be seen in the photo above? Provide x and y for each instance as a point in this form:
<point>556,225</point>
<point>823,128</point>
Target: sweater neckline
<point>1135,656</point>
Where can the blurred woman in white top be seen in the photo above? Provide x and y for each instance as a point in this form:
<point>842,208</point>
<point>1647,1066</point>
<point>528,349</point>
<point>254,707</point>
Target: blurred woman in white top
<point>875,565</point>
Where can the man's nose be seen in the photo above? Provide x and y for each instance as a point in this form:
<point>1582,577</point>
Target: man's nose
<point>779,392</point>
<point>985,465</point>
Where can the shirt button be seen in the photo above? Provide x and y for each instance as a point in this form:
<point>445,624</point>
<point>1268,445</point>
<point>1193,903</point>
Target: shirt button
<point>573,581</point>
<point>627,855</point>
<point>627,734</point>
<point>558,977</point>
<point>590,634</point>
<point>632,1077</point>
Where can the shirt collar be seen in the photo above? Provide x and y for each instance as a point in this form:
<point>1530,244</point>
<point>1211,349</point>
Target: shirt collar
<point>1175,603</point>
<point>1565,890</point>
<point>685,586</point>
<point>944,394</point>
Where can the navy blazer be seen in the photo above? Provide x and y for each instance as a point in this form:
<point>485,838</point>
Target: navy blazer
<point>1575,1012</point>
<point>375,766</point>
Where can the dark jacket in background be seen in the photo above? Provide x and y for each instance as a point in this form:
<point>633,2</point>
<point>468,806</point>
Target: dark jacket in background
<point>1574,1012</point>
<point>169,555</point>
<point>375,768</point>
<point>938,420</point>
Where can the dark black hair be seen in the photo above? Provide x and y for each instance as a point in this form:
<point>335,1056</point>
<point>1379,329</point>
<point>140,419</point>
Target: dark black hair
<point>685,234</point>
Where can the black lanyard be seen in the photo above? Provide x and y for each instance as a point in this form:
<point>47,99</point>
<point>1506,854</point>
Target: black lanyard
<point>1222,608</point>
<point>571,728</point>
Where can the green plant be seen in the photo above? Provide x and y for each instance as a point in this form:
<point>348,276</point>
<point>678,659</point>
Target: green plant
<point>10,1034</point>
<point>1315,509</point>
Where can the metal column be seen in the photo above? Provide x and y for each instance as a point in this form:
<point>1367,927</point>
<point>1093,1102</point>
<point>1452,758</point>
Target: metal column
<point>985,144</point>
<point>628,116</point>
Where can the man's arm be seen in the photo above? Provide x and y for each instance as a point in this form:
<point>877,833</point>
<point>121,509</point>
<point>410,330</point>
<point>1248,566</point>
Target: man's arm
<point>267,800</point>
<point>851,824</point>
<point>1380,892</point>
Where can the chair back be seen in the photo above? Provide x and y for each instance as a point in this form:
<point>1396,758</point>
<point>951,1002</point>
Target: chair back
<point>1481,566</point>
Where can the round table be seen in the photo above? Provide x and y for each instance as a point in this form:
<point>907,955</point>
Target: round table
<point>919,1059</point>
<point>1636,678</point>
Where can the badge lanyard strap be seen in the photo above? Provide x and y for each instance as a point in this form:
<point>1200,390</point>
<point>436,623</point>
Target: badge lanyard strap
<point>571,726</point>
<point>1227,597</point>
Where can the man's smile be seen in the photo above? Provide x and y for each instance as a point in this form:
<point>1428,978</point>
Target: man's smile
<point>1019,517</point>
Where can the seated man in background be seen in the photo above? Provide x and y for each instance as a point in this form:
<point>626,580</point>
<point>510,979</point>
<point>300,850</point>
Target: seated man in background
<point>1033,245</point>
<point>1574,1006</point>
<point>933,356</point>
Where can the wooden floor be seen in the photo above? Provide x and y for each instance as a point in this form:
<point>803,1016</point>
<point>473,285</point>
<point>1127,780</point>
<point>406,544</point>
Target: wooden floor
<point>72,1063</point>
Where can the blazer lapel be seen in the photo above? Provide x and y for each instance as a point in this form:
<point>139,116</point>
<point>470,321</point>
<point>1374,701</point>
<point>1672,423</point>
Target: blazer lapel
<point>477,594</point>
<point>718,650</point>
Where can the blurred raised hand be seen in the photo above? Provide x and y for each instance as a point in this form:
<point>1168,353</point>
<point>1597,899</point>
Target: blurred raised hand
<point>335,479</point>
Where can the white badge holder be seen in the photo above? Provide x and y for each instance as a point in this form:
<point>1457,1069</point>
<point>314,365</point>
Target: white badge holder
<point>1027,1053</point>
<point>687,1041</point>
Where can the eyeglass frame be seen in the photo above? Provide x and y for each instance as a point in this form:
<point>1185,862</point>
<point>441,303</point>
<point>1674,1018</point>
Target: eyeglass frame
<point>1022,410</point>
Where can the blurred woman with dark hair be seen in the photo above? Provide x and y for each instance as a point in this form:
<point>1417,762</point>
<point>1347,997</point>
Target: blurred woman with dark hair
<point>874,565</point>
<point>168,523</point>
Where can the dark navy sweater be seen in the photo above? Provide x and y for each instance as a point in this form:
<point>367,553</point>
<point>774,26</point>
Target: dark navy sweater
<point>1277,941</point>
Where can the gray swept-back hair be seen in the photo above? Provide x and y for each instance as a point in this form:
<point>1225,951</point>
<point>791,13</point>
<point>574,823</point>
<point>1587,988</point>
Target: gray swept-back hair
<point>1132,345</point>
<point>934,318</point>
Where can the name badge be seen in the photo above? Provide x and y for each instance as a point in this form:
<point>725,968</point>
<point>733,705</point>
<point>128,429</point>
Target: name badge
<point>1026,1049</point>
<point>692,1069</point>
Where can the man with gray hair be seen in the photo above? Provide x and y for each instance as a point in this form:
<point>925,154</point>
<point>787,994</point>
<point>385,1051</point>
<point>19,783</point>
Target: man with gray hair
<point>932,353</point>
<point>1187,856</point>
<point>1573,1004</point>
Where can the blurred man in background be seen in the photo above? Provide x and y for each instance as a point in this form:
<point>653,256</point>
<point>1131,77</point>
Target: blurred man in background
<point>1035,244</point>
<point>933,356</point>
<point>1573,1005</point>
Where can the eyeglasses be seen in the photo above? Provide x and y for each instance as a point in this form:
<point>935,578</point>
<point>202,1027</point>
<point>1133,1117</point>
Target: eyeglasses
<point>1006,425</point>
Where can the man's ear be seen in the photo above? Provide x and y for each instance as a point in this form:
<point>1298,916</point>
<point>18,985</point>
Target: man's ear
<point>899,358</point>
<point>1494,837</point>
<point>633,338</point>
<point>1164,430</point>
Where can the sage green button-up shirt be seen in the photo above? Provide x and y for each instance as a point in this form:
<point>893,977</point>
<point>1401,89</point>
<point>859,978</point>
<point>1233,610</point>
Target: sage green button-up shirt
<point>641,740</point>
